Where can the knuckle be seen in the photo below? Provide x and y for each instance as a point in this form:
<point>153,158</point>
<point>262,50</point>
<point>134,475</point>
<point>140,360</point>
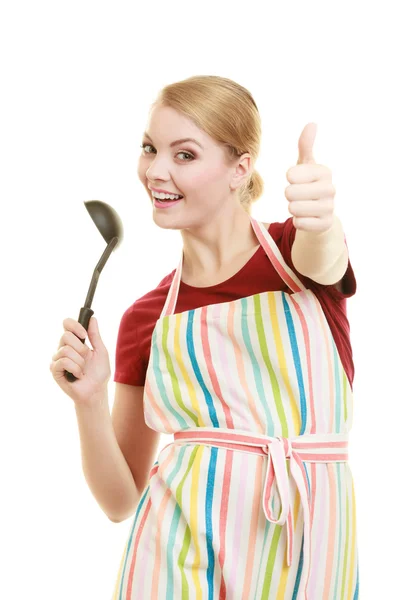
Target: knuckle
<point>66,337</point>
<point>62,352</point>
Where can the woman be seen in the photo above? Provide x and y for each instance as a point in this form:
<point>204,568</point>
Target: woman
<point>247,361</point>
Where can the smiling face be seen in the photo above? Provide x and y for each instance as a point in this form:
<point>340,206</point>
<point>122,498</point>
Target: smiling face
<point>198,171</point>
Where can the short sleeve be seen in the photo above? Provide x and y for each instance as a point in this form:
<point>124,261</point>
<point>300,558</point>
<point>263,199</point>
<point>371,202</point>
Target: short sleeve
<point>129,365</point>
<point>349,280</point>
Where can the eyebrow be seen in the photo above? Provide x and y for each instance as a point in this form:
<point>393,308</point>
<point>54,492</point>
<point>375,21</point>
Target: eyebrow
<point>176,142</point>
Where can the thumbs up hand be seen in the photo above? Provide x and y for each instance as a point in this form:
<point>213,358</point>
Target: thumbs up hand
<point>311,192</point>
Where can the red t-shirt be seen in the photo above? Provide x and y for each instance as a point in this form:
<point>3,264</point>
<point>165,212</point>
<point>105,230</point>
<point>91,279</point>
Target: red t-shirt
<point>257,276</point>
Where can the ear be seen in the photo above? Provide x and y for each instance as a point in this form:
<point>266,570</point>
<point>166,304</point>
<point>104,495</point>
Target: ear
<point>243,170</point>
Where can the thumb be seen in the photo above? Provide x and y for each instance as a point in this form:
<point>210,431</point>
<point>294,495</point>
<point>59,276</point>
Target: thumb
<point>94,334</point>
<point>306,144</point>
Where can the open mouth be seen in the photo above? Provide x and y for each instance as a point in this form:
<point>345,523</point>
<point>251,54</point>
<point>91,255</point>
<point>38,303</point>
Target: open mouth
<point>166,200</point>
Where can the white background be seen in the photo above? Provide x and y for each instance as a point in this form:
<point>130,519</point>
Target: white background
<point>77,80</point>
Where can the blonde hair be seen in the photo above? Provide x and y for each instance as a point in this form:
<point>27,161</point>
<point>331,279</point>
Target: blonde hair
<point>227,112</point>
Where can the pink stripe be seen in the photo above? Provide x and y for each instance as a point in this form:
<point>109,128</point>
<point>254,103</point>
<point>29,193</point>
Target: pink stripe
<point>319,534</point>
<point>304,456</point>
<point>320,348</point>
<point>143,574</point>
<point>236,438</point>
<point>137,540</point>
<point>157,558</point>
<point>325,444</point>
<point>330,554</point>
<point>307,345</point>
<point>312,491</point>
<point>164,503</point>
<point>325,457</point>
<point>239,518</point>
<point>153,402</point>
<point>153,470</point>
<point>226,435</point>
<point>268,487</point>
<point>252,544</point>
<point>277,264</point>
<point>236,399</point>
<point>325,330</point>
<point>226,486</point>
<point>210,367</point>
<point>303,473</point>
<point>240,367</point>
<point>173,293</point>
<point>290,536</point>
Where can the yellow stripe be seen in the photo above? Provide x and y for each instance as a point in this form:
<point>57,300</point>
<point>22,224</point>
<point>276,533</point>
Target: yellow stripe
<point>118,582</point>
<point>353,542</point>
<point>181,364</point>
<point>283,368</point>
<point>194,502</point>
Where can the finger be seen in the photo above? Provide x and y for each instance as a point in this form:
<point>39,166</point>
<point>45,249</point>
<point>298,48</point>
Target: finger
<point>306,173</point>
<point>68,352</point>
<point>69,339</point>
<point>76,328</point>
<point>306,144</point>
<point>310,191</point>
<point>311,208</point>
<point>316,224</point>
<point>66,364</point>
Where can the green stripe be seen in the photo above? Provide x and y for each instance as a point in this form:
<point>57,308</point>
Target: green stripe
<point>265,354</point>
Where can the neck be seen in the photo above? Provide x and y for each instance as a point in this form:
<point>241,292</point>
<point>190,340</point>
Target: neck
<point>211,247</point>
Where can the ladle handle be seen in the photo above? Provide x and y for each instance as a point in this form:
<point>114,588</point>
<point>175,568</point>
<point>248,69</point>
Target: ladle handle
<point>84,318</point>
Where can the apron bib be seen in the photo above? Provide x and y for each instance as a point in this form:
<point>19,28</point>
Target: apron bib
<point>254,498</point>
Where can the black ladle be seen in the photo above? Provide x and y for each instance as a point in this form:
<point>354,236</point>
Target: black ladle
<point>109,224</point>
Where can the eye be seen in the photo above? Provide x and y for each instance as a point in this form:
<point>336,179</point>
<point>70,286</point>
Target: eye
<point>189,154</point>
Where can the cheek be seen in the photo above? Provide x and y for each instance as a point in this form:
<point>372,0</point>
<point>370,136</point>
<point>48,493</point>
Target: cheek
<point>207,176</point>
<point>141,173</point>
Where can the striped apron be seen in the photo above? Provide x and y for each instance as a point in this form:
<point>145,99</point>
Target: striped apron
<point>254,498</point>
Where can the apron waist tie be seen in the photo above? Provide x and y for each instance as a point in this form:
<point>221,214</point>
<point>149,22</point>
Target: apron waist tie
<point>326,447</point>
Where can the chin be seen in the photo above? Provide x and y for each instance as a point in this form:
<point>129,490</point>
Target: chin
<point>161,225</point>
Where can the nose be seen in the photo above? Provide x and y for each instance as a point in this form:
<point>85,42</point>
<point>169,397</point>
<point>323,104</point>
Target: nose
<point>157,171</point>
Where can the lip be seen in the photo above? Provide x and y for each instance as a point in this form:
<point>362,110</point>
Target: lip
<point>158,204</point>
<point>164,191</point>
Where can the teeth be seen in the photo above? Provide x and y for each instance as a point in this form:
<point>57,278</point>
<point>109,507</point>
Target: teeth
<point>161,196</point>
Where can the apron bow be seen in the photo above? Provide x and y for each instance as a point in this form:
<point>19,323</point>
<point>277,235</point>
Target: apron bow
<point>278,450</point>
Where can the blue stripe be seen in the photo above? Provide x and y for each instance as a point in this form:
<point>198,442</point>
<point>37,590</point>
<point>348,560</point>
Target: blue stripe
<point>143,498</point>
<point>338,391</point>
<point>355,597</point>
<point>339,543</point>
<point>174,526</point>
<point>208,519</point>
<point>297,363</point>
<point>197,372</point>
<point>270,430</point>
<point>299,570</point>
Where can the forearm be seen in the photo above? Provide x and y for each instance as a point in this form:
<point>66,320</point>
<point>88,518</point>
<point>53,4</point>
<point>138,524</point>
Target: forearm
<point>322,257</point>
<point>104,466</point>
